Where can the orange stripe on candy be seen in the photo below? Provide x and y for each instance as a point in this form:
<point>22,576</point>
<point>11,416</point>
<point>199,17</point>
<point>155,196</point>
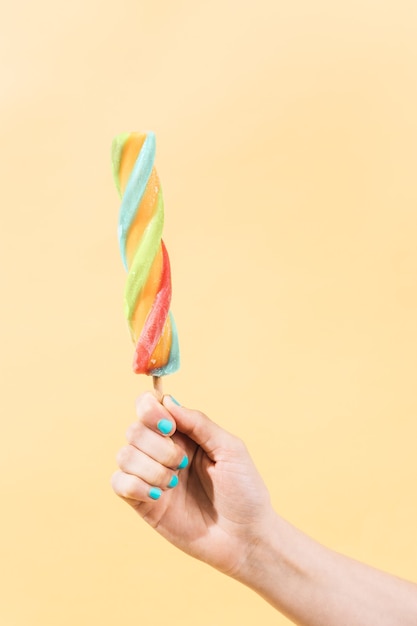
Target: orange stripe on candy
<point>146,211</point>
<point>131,148</point>
<point>160,355</point>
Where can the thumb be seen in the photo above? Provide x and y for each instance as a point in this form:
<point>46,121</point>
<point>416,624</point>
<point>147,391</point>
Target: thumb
<point>198,427</point>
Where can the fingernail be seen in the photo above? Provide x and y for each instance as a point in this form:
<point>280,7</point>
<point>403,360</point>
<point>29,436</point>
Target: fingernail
<point>173,482</point>
<point>165,426</point>
<point>155,493</point>
<point>175,401</point>
<point>183,463</point>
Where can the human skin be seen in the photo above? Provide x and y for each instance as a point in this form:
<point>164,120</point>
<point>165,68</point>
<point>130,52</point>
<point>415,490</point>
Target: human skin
<point>220,512</point>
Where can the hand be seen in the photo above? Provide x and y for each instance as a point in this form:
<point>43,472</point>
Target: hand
<point>219,512</point>
<point>220,507</point>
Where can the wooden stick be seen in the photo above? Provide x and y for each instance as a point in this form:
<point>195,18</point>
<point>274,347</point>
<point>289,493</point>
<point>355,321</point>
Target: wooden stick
<point>158,388</point>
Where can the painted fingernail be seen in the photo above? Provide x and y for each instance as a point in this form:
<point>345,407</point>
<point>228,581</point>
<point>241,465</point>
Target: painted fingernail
<point>183,463</point>
<point>175,401</point>
<point>173,482</point>
<point>155,493</point>
<point>165,426</point>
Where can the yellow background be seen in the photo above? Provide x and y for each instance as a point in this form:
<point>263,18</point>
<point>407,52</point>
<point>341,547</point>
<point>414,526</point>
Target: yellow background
<point>286,146</point>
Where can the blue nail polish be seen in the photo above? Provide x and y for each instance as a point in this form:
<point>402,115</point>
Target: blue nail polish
<point>175,401</point>
<point>173,482</point>
<point>183,463</point>
<point>155,493</point>
<point>165,426</point>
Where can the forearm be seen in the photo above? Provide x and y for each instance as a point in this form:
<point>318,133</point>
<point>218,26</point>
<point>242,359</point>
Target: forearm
<point>315,586</point>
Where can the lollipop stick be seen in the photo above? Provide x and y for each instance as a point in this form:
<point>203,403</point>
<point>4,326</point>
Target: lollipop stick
<point>158,388</point>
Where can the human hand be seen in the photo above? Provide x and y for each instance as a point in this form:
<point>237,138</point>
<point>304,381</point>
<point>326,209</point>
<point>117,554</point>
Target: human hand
<point>220,507</point>
<point>220,512</point>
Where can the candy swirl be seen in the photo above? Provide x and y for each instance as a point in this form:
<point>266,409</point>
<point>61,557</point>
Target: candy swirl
<point>147,294</point>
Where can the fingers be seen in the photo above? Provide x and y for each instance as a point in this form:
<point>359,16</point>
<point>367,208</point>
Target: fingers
<point>200,428</point>
<point>137,463</point>
<point>158,447</point>
<point>133,489</point>
<point>152,414</point>
<point>149,463</point>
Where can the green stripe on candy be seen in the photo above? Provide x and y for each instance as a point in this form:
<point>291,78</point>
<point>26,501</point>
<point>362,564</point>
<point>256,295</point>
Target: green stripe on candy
<point>144,257</point>
<point>116,155</point>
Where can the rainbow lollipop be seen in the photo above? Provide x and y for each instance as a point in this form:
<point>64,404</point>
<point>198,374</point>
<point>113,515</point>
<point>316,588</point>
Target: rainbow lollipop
<point>147,295</point>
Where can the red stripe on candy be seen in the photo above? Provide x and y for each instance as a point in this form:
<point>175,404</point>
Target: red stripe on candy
<point>154,324</point>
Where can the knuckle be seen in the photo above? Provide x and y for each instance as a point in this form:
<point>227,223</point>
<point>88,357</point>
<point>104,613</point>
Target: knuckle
<point>240,446</point>
<point>199,418</point>
<point>128,488</point>
<point>144,404</point>
<point>133,432</point>
<point>126,492</point>
<point>174,456</point>
<point>160,477</point>
<point>116,483</point>
<point>124,486</point>
<point>123,456</point>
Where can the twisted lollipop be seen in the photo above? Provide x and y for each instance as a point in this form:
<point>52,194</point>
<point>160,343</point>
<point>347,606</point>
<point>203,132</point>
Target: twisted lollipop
<point>147,294</point>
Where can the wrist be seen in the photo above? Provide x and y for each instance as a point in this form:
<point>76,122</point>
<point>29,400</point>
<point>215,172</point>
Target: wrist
<point>269,549</point>
<point>282,565</point>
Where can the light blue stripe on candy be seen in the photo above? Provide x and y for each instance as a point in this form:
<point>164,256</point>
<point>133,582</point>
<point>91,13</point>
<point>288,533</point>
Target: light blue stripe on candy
<point>134,191</point>
<point>174,354</point>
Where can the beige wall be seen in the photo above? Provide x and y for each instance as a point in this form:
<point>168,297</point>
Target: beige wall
<point>287,139</point>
